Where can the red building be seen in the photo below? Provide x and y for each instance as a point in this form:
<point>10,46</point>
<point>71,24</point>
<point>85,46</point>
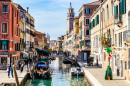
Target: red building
<point>10,33</point>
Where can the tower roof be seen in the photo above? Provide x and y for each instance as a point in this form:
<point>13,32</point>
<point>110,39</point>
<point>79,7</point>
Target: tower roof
<point>70,5</point>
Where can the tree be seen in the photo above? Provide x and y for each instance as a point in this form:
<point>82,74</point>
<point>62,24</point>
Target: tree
<point>45,47</point>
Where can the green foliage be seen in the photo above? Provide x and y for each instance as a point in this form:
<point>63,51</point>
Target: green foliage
<point>45,47</point>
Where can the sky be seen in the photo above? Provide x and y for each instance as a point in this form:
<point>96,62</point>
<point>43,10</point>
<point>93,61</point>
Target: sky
<point>51,15</point>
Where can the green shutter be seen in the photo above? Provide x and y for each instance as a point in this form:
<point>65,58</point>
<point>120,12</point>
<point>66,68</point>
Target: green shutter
<point>0,44</point>
<point>4,42</point>
<point>93,22</point>
<point>97,19</point>
<point>115,11</point>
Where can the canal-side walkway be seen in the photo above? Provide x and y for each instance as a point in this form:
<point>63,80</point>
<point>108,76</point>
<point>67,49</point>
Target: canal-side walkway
<point>96,76</point>
<point>5,80</point>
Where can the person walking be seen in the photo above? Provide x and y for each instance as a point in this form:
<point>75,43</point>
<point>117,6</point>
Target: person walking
<point>8,70</point>
<point>11,69</point>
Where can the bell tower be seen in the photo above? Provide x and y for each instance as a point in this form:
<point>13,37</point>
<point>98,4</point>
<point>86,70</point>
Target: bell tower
<point>70,18</point>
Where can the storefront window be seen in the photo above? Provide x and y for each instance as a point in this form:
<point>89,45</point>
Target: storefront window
<point>4,61</point>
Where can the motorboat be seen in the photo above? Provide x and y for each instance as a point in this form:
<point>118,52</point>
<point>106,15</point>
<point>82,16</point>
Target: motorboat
<point>77,71</point>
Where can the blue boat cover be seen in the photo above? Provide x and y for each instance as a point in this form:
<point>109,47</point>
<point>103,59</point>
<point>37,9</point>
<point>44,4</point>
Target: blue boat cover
<point>43,65</point>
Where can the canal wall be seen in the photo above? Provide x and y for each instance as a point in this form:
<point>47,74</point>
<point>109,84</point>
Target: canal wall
<point>91,79</point>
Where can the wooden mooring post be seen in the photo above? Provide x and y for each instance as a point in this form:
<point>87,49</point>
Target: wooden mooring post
<point>30,70</point>
<point>15,76</point>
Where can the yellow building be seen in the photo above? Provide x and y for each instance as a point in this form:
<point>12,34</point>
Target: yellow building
<point>21,38</point>
<point>109,28</point>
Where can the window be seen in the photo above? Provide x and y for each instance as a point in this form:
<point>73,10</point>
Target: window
<point>112,7</point>
<point>107,11</point>
<point>87,32</point>
<point>80,25</point>
<point>115,40</point>
<point>15,14</point>
<point>87,42</point>
<point>120,39</point>
<point>96,40</point>
<point>87,11</point>
<point>4,45</point>
<point>122,7</point>
<point>125,65</point>
<point>80,34</point>
<point>5,8</point>
<point>87,21</point>
<point>103,15</point>
<point>115,11</point>
<point>4,27</point>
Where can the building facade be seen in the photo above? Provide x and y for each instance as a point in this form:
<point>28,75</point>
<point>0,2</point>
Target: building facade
<point>10,33</point>
<point>85,13</point>
<point>110,28</point>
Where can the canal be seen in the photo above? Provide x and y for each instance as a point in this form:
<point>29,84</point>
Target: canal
<point>60,77</point>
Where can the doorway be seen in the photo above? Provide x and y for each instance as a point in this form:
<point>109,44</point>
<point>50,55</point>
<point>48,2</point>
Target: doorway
<point>121,68</point>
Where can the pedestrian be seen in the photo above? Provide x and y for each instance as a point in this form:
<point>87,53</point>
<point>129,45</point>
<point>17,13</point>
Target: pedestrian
<point>11,69</point>
<point>21,67</point>
<point>8,70</point>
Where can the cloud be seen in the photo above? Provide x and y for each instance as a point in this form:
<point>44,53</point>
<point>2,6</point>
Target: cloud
<point>50,15</point>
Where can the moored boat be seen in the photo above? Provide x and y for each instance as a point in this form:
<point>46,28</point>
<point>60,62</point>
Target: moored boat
<point>42,70</point>
<point>77,71</point>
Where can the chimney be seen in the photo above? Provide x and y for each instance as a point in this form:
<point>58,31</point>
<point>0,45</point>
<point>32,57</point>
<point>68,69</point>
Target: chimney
<point>27,9</point>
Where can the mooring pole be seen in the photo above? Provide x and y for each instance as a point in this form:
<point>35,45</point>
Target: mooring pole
<point>33,67</point>
<point>15,76</point>
<point>30,70</point>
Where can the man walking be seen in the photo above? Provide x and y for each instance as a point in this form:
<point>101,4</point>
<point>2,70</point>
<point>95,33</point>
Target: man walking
<point>11,69</point>
<point>8,70</point>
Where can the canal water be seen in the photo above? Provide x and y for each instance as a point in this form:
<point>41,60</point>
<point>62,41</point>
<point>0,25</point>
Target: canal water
<point>60,77</point>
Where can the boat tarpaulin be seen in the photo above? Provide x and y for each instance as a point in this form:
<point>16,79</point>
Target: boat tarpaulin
<point>45,53</point>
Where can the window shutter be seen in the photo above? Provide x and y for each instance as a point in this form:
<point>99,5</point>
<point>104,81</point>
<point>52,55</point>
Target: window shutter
<point>0,44</point>
<point>123,3</point>
<point>120,7</point>
<point>88,10</point>
<point>7,44</point>
<point>97,19</point>
<point>115,11</point>
<point>15,46</point>
<point>90,25</point>
<point>93,22</point>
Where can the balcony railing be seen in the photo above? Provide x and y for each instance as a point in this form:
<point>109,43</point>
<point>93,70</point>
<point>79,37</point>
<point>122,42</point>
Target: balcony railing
<point>126,36</point>
<point>118,20</point>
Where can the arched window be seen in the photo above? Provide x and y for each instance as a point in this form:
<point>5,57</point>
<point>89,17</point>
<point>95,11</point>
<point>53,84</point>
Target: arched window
<point>107,11</point>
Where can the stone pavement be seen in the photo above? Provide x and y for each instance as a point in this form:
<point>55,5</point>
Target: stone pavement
<point>5,80</point>
<point>96,76</point>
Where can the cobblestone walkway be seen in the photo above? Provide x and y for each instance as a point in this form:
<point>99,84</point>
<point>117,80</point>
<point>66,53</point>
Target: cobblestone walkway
<point>96,75</point>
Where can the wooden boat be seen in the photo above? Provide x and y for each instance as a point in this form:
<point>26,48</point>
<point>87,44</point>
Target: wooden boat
<point>77,71</point>
<point>42,70</point>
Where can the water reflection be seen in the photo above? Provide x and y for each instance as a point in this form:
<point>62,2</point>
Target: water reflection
<point>60,77</point>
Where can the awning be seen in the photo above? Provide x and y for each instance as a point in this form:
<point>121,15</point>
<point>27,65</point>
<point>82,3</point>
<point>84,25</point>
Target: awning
<point>23,59</point>
<point>45,53</point>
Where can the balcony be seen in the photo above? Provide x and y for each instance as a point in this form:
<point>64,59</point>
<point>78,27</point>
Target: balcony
<point>126,36</point>
<point>118,20</point>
